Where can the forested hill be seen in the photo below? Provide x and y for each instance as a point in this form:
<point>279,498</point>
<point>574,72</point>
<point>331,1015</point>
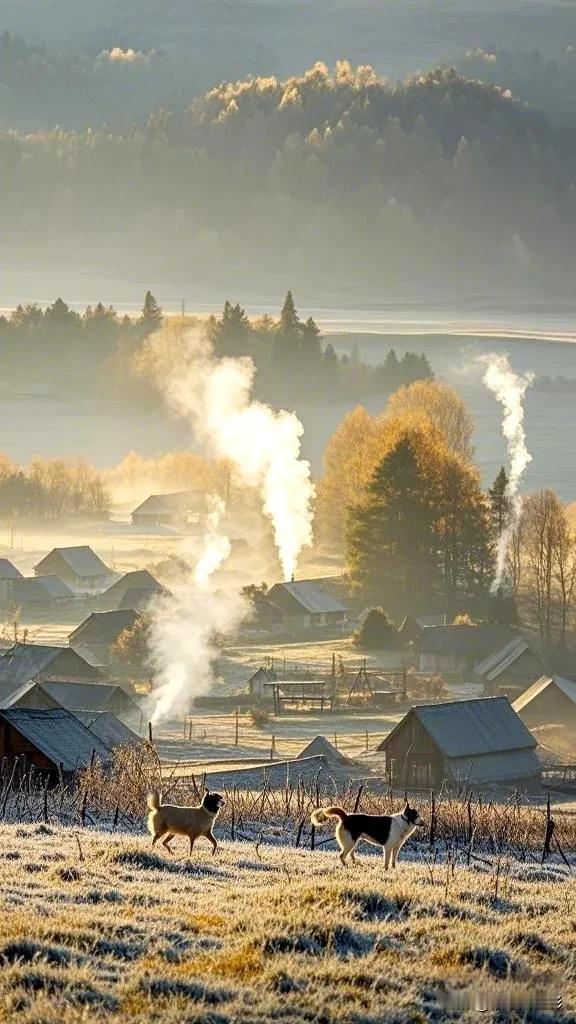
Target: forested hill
<point>338,183</point>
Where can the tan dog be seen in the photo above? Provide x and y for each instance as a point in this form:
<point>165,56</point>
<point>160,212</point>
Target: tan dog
<point>170,820</point>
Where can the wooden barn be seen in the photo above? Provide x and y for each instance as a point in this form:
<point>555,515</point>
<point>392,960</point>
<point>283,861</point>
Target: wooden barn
<point>186,510</point>
<point>457,649</point>
<point>25,662</point>
<point>26,695</point>
<point>79,567</point>
<point>482,742</point>
<point>510,670</point>
<point>77,696</point>
<point>132,591</point>
<point>550,701</point>
<point>308,603</point>
<point>108,728</point>
<point>8,570</point>
<point>99,632</point>
<point>35,593</point>
<point>54,741</point>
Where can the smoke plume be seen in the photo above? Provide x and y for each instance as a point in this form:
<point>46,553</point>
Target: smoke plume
<point>509,388</point>
<point>263,447</point>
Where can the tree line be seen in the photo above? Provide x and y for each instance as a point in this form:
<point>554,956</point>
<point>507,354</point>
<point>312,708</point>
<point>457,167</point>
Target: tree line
<point>337,180</point>
<point>51,489</point>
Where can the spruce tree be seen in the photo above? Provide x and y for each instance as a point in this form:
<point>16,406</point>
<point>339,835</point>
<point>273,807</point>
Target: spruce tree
<point>499,502</point>
<point>391,544</point>
<point>151,316</point>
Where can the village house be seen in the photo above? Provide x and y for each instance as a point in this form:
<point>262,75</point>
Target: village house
<point>40,594</point>
<point>27,695</point>
<point>24,663</point>
<point>132,591</point>
<point>79,567</point>
<point>480,742</point>
<point>458,648</point>
<point>308,603</point>
<point>8,571</point>
<point>54,741</point>
<point>99,632</point>
<point>76,696</point>
<point>511,669</point>
<point>185,510</point>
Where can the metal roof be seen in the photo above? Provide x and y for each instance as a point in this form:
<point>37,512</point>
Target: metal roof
<point>140,580</point>
<point>80,559</point>
<point>276,774</point>
<point>466,728</point>
<point>501,767</point>
<point>307,595</point>
<point>568,689</point>
<point>474,641</point>
<point>103,627</point>
<point>58,734</point>
<point>27,661</point>
<point>495,664</point>
<point>87,696</point>
<point>8,571</point>
<point>54,586</point>
<point>108,728</point>
<point>179,501</point>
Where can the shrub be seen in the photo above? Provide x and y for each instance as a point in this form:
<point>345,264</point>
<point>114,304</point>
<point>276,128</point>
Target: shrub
<point>377,631</point>
<point>260,717</point>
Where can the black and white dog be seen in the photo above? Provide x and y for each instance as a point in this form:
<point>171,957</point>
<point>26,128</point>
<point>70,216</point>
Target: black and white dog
<point>390,831</point>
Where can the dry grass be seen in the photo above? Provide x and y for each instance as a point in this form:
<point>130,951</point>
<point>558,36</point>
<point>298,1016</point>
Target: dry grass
<point>275,934</point>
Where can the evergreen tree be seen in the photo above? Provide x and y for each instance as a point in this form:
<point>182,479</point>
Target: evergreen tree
<point>499,502</point>
<point>151,318</point>
<point>391,543</point>
<point>286,354</point>
<point>310,343</point>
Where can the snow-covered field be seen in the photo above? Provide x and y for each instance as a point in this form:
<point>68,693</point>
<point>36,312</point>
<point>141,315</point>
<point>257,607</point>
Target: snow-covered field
<point>98,927</point>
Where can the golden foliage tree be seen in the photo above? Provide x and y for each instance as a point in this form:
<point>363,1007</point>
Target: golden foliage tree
<point>438,403</point>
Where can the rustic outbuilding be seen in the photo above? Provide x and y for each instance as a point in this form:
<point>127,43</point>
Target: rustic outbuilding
<point>8,570</point>
<point>458,648</point>
<point>308,603</point>
<point>23,663</point>
<point>132,591</point>
<point>183,509</point>
<point>76,696</point>
<point>35,593</point>
<point>480,742</point>
<point>510,670</point>
<point>79,567</point>
<point>550,701</point>
<point>54,741</point>
<point>110,729</point>
<point>99,632</point>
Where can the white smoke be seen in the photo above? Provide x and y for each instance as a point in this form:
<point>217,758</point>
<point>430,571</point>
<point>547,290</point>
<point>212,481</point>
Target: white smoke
<point>509,388</point>
<point>263,446</point>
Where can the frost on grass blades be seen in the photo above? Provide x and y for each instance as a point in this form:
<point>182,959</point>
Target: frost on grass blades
<point>262,446</point>
<point>509,389</point>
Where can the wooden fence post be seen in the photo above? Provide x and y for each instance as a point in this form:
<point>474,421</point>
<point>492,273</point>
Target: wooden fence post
<point>549,831</point>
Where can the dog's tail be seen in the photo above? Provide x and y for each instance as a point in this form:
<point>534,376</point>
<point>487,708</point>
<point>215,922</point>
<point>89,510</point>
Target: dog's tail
<point>153,800</point>
<point>323,813</point>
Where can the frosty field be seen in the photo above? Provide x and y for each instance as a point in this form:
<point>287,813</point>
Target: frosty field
<point>97,926</point>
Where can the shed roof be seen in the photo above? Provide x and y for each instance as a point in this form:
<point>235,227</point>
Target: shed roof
<point>471,728</point>
<point>139,580</point>
<point>108,728</point>
<point>58,734</point>
<point>103,627</point>
<point>275,774</point>
<point>321,745</point>
<point>87,696</point>
<point>540,686</point>
<point>473,641</point>
<point>500,767</point>
<point>81,560</point>
<point>8,571</point>
<point>27,661</point>
<point>305,595</point>
<point>53,585</point>
<point>497,663</point>
<point>179,501</point>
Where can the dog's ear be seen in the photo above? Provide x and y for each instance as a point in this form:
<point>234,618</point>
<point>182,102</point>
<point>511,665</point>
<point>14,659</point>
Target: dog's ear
<point>207,792</point>
<point>406,806</point>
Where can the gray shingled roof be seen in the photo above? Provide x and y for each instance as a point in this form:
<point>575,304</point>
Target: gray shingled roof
<point>87,696</point>
<point>8,571</point>
<point>322,746</point>
<point>471,728</point>
<point>305,595</point>
<point>489,768</point>
<point>59,735</point>
<point>103,627</point>
<point>54,586</point>
<point>108,728</point>
<point>140,580</point>
<point>81,560</point>
<point>27,661</point>
<point>180,501</point>
<point>473,641</point>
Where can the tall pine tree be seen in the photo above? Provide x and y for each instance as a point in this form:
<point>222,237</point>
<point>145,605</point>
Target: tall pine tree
<point>499,502</point>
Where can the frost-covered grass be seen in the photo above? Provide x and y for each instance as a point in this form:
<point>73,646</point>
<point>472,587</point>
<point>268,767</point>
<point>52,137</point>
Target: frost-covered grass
<point>112,930</point>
